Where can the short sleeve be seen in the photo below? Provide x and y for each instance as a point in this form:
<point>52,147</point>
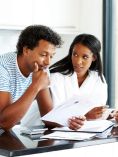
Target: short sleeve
<point>4,80</point>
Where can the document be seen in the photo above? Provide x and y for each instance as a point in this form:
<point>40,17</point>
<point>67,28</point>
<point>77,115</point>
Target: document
<point>94,126</point>
<point>69,135</point>
<point>72,107</point>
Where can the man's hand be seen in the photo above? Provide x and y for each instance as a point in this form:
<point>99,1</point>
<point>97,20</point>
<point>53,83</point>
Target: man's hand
<point>40,78</point>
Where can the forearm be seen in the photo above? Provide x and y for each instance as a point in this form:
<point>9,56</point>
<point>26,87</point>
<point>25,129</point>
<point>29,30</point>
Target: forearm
<point>51,124</point>
<point>14,112</point>
<point>45,102</point>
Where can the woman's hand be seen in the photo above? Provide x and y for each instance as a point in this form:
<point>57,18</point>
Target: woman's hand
<point>116,115</point>
<point>95,113</point>
<point>75,123</point>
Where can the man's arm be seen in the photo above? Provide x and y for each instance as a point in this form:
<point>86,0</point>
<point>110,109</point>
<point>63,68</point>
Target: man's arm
<point>45,105</point>
<point>12,113</point>
<point>44,101</point>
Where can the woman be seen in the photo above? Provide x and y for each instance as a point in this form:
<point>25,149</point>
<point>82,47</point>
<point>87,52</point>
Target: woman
<point>80,72</point>
<point>116,116</point>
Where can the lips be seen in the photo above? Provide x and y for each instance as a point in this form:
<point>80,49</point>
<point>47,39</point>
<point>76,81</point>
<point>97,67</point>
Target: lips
<point>78,69</point>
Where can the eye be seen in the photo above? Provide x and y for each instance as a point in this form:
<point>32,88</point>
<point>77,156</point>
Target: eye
<point>85,57</point>
<point>51,57</point>
<point>75,54</point>
<point>43,55</point>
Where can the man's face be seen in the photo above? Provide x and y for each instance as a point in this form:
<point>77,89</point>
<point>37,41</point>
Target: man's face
<point>42,55</point>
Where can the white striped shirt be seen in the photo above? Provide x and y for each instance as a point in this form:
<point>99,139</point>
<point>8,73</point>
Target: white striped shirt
<point>11,78</point>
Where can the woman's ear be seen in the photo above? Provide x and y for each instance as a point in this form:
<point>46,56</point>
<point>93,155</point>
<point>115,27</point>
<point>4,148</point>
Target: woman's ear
<point>94,58</point>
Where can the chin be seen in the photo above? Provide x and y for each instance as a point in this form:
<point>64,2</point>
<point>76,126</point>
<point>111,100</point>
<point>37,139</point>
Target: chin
<point>78,72</point>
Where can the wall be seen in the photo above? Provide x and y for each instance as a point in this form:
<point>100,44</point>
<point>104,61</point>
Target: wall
<point>8,39</point>
<point>116,52</point>
<point>90,21</point>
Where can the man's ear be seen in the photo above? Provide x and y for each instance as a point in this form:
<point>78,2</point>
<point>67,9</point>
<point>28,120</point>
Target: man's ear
<point>25,50</point>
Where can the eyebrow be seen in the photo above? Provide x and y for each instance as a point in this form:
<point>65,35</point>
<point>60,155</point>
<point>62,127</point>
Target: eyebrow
<point>48,52</point>
<point>54,53</point>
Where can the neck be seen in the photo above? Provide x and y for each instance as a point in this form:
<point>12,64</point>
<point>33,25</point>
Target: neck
<point>22,66</point>
<point>81,79</point>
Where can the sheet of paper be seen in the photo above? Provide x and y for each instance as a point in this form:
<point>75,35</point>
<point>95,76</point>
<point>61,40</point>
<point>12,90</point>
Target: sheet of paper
<point>72,107</point>
<point>69,135</point>
<point>96,126</point>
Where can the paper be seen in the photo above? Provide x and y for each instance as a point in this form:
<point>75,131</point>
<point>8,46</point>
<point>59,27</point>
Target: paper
<point>94,126</point>
<point>72,107</point>
<point>69,135</point>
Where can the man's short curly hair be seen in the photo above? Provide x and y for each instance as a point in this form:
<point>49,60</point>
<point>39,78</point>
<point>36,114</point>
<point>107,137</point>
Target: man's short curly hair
<point>31,36</point>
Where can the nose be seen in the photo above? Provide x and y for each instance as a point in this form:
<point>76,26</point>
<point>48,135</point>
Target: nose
<point>79,61</point>
<point>47,61</point>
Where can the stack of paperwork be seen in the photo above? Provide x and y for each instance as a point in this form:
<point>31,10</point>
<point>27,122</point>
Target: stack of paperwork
<point>69,135</point>
<point>88,131</point>
<point>94,126</point>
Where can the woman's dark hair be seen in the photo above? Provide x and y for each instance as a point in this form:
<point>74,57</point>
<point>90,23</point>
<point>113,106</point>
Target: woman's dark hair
<point>31,36</point>
<point>65,67</point>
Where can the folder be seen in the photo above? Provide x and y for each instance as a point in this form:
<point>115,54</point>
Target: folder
<point>94,126</point>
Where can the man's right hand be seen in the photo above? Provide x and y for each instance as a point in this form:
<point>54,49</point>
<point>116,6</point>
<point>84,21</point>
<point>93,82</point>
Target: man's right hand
<point>40,78</point>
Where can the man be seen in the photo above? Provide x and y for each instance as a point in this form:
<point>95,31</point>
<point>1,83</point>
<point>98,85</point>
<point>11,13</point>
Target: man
<point>22,74</point>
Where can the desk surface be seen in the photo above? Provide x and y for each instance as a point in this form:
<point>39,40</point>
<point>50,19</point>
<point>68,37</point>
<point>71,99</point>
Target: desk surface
<point>14,144</point>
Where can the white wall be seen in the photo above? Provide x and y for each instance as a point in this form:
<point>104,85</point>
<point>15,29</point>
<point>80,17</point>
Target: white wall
<point>8,40</point>
<point>90,21</point>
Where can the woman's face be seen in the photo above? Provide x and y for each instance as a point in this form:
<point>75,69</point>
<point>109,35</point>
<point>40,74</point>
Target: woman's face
<point>82,58</point>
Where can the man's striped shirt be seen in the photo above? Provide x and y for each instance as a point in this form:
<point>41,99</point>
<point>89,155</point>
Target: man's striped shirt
<point>11,78</point>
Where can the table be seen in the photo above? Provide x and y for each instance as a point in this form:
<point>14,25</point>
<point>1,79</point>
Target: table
<point>12,143</point>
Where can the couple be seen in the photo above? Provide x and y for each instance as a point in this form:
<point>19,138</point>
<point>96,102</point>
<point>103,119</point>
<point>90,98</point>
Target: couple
<point>23,78</point>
